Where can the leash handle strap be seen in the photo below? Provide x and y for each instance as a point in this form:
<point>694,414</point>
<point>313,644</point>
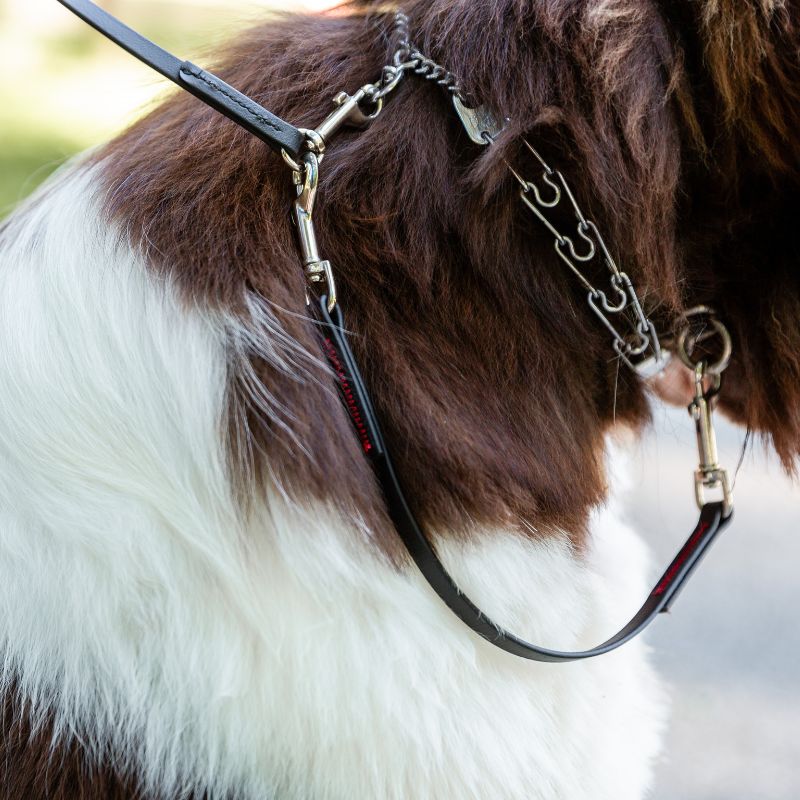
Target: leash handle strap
<point>213,91</point>
<point>362,414</point>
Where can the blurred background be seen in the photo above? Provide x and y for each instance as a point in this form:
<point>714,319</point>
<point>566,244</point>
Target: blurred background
<point>731,646</point>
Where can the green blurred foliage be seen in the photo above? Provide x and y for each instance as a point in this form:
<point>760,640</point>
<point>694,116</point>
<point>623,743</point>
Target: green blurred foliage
<point>65,88</point>
<point>27,157</point>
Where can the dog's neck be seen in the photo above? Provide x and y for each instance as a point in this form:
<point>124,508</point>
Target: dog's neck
<point>493,380</point>
<point>462,318</point>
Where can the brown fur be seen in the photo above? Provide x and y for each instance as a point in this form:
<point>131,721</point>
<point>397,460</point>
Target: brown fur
<point>492,379</point>
<point>33,768</point>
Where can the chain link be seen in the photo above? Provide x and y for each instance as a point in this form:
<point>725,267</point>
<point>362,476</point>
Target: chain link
<point>638,346</point>
<point>618,307</point>
<point>409,58</point>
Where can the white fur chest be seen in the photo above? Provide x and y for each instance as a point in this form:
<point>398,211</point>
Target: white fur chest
<point>272,655</point>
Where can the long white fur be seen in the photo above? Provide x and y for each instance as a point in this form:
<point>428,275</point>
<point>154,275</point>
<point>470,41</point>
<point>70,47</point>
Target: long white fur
<point>271,654</point>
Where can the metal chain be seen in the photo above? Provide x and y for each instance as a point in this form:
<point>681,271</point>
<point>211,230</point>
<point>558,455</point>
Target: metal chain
<point>356,110</point>
<point>619,309</point>
<point>641,338</point>
<point>407,57</point>
<point>639,346</point>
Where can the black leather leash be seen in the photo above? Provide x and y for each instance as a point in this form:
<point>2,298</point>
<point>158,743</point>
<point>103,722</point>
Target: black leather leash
<point>213,91</point>
<point>279,135</point>
<point>362,414</point>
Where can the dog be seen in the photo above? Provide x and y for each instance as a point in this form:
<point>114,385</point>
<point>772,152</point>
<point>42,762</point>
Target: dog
<point>202,593</point>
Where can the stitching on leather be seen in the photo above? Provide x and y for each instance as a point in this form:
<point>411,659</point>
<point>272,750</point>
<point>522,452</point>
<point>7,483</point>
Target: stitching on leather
<point>236,100</point>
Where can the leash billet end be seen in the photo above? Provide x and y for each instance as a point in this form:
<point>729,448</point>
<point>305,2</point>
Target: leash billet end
<point>714,518</point>
<point>213,91</point>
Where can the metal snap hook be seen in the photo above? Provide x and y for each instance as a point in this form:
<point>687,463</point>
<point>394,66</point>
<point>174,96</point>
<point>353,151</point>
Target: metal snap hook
<point>709,474</point>
<point>318,271</point>
<point>348,112</point>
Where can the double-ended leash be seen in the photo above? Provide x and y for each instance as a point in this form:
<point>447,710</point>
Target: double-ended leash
<point>634,337</point>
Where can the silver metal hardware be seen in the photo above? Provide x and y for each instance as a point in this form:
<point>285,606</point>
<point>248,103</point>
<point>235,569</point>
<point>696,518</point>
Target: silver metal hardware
<point>408,57</point>
<point>698,325</point>
<point>348,112</point>
<point>636,343</point>
<point>709,474</point>
<point>638,346</point>
<point>634,337</point>
<point>290,162</point>
<point>480,123</point>
<point>317,270</point>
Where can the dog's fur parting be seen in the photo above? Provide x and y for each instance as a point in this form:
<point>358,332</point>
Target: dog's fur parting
<point>199,591</point>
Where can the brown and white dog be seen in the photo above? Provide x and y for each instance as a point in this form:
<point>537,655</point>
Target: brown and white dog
<point>201,593</point>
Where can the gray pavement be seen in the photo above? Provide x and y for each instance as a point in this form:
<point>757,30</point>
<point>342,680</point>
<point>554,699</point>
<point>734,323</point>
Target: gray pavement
<point>731,646</point>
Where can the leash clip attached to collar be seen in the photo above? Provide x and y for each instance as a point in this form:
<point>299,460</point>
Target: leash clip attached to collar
<point>696,327</point>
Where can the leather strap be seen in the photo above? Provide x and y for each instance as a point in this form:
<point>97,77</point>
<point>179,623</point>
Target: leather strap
<point>213,91</point>
<point>362,414</point>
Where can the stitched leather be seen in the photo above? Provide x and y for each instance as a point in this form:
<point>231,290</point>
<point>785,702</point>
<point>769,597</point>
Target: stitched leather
<point>353,389</point>
<point>213,91</point>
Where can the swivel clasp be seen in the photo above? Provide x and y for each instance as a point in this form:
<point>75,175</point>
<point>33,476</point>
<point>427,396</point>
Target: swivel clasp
<point>697,327</point>
<point>318,271</point>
